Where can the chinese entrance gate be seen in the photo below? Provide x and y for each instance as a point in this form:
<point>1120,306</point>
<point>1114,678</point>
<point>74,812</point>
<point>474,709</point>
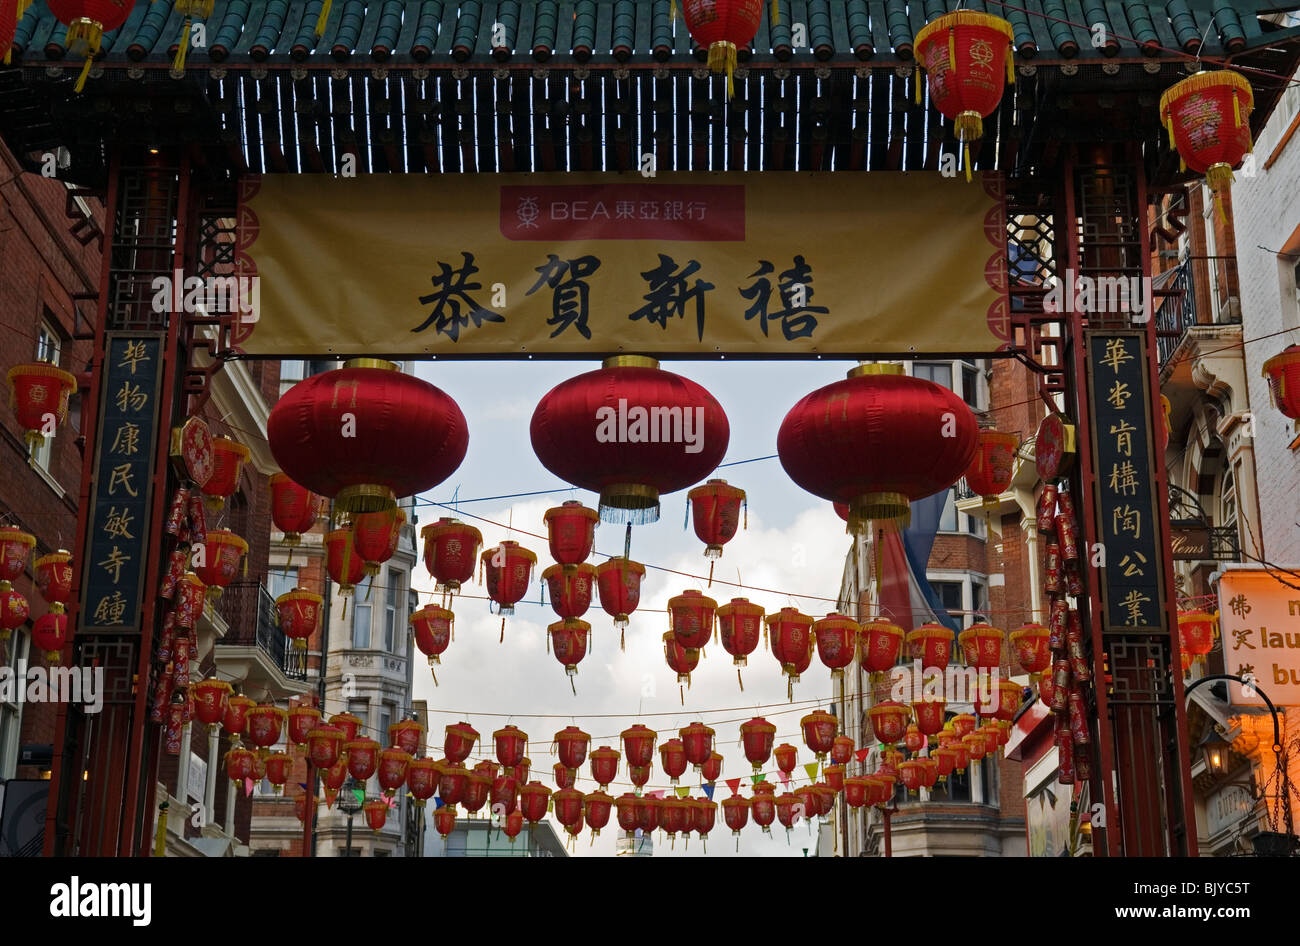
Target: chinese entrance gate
<point>613,86</point>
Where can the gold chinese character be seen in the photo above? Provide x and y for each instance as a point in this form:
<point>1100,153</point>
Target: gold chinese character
<point>130,397</point>
<point>1133,604</point>
<point>133,355</point>
<point>1123,478</point>
<point>121,475</point>
<point>1127,519</point>
<point>110,609</point>
<point>1116,354</point>
<point>1131,567</point>
<point>117,524</point>
<point>126,440</point>
<point>1123,432</point>
<point>114,563</point>
<point>1119,395</point>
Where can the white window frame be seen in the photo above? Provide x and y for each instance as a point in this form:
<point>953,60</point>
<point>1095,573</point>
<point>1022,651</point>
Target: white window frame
<point>47,338</point>
<point>11,711</point>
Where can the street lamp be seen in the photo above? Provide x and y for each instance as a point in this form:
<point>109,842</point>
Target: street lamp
<point>1215,752</point>
<point>349,804</point>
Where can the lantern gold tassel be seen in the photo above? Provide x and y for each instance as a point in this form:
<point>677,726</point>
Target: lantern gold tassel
<point>1011,65</point>
<point>776,11</point>
<point>622,635</point>
<point>965,154</point>
<point>502,640</point>
<point>321,20</point>
<point>345,608</point>
<point>672,11</point>
<point>740,680</point>
<point>711,564</point>
<point>682,691</point>
<point>182,47</point>
<point>916,82</point>
<point>433,674</point>
<point>952,49</point>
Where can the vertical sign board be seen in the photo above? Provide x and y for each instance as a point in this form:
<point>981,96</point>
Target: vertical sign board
<point>1259,617</point>
<point>1119,394</point>
<point>117,546</point>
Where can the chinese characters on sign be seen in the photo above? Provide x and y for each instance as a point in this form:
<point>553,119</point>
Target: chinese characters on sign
<point>1259,616</point>
<point>1131,576</point>
<point>117,546</point>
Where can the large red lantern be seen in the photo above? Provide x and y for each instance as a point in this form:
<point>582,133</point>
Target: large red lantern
<point>444,820</point>
<point>756,738</point>
<point>264,723</point>
<point>509,569</point>
<point>715,513</point>
<point>639,745</point>
<point>723,27</point>
<point>294,509</point>
<point>931,644</point>
<point>422,780</point>
<point>967,58</point>
<point>228,459</point>
<point>819,731</point>
<point>837,642</point>
<point>570,588</point>
<point>1283,374</point>
<point>568,805</point>
<point>54,577</point>
<point>363,757</point>
<point>432,628</point>
<point>15,548</point>
<point>299,612</point>
<point>672,759</point>
<point>790,635</point>
<point>982,646</point>
<point>569,641</point>
<point>570,533</point>
<point>681,660</point>
<point>1196,633</point>
<point>450,551</point>
<point>408,735</point>
<point>604,766</point>
<point>740,625</point>
<point>366,433</point>
<point>39,393</point>
<point>375,536</point>
<point>345,565</point>
<point>697,742</point>
<point>990,471</point>
<point>911,773</point>
<point>50,634</point>
<point>453,780</point>
<point>219,563</point>
<point>888,721</point>
<point>631,432</point>
<point>690,618</point>
<point>596,809</point>
<point>877,440</point>
<point>571,746</point>
<point>786,758</point>
<point>459,741</point>
<point>1031,644</point>
<point>14,610</point>
<point>1208,119</point>
<point>210,698</point>
<point>511,744</point>
<point>619,580</point>
<point>879,644</point>
<point>324,745</point>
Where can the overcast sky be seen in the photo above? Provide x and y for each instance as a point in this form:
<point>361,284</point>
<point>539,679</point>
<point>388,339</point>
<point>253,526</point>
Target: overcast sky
<point>794,543</point>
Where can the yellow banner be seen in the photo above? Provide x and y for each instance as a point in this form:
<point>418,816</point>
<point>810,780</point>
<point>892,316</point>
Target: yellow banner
<point>590,264</point>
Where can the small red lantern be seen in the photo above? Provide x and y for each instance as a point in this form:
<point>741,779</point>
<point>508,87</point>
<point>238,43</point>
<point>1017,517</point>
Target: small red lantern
<point>911,772</point>
<point>444,820</point>
<point>324,745</point>
<point>681,660</point>
<point>711,770</point>
<point>945,758</point>
<point>349,723</point>
<point>14,610</point>
<point>975,743</point>
<point>913,739</point>
<point>54,577</point>
<point>704,815</point>
<point>982,646</point>
<point>1007,696</point>
<point>837,639</point>
<point>376,811</point>
<point>39,393</point>
<point>50,634</point>
<point>450,551</point>
<point>639,745</point>
<point>521,771</point>
<point>344,564</point>
<point>504,796</point>
<point>511,744</point>
<point>888,721</point>
<point>723,27</point>
<point>619,580</point>
<point>1031,644</point>
<point>509,569</point>
<point>791,639</point>
<point>690,618</point>
<point>1196,634</point>
<point>649,812</point>
<point>514,823</point>
<point>966,55</point>
<point>857,791</point>
<point>1208,119</point>
<point>756,737</point>
<point>228,459</point>
<point>240,763</point>
<point>672,759</point>
<point>375,536</point>
<point>219,563</point>
<point>333,779</point>
<point>625,810</point>
<point>819,731</point>
<point>929,716</point>
<point>676,818</point>
<point>604,766</point>
<point>459,741</point>
<point>15,548</point>
<point>963,725</point>
<point>842,750</point>
<point>735,813</point>
<point>763,808</point>
<point>596,809</point>
<point>422,780</point>
<point>990,471</point>
<point>638,775</point>
<point>263,725</point>
<point>477,788</point>
<point>565,777</point>
<point>570,588</point>
<point>453,779</point>
<point>791,809</point>
<point>294,509</point>
<point>210,698</point>
<point>571,746</point>
<point>299,612</point>
<point>786,757</point>
<point>277,770</point>
<point>363,757</point>
<point>568,805</point>
<point>931,644</point>
<point>1283,374</point>
<point>433,628</point>
<point>879,644</point>
<point>569,641</point>
<point>570,533</point>
<point>834,775</point>
<point>740,624</point>
<point>236,715</point>
<point>715,513</point>
<point>697,741</point>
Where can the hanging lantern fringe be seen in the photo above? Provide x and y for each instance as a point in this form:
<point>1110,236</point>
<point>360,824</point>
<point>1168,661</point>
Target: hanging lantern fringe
<point>322,19</point>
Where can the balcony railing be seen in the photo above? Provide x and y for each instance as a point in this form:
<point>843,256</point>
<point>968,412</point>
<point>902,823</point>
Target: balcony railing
<point>1178,311</point>
<point>249,609</point>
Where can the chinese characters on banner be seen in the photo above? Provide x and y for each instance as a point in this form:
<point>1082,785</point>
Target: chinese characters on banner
<point>117,545</point>
<point>591,264</point>
<point>1259,624</point>
<point>1132,577</point>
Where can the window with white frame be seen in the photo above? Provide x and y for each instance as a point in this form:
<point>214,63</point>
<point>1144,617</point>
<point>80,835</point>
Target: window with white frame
<point>362,617</point>
<point>11,711</point>
<point>49,348</point>
<point>394,616</point>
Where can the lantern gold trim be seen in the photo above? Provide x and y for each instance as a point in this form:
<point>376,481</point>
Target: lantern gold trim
<point>638,502</point>
<point>365,497</point>
<point>630,361</point>
<point>882,506</point>
<point>877,368</point>
<point>382,364</point>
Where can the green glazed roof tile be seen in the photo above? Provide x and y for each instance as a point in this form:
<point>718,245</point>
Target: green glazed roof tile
<point>623,33</point>
<point>1184,23</point>
<point>270,29</point>
<point>584,26</point>
<point>426,30</point>
<point>544,29</point>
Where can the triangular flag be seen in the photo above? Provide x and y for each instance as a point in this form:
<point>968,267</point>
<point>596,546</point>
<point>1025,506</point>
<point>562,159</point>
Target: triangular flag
<point>683,791</point>
<point>761,777</point>
<point>248,787</point>
<point>359,795</point>
<point>392,801</point>
<point>811,769</point>
<point>785,779</point>
<point>438,803</point>
<point>734,785</point>
<point>303,786</point>
<point>659,793</point>
<point>708,790</point>
<point>861,754</point>
<point>330,795</point>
